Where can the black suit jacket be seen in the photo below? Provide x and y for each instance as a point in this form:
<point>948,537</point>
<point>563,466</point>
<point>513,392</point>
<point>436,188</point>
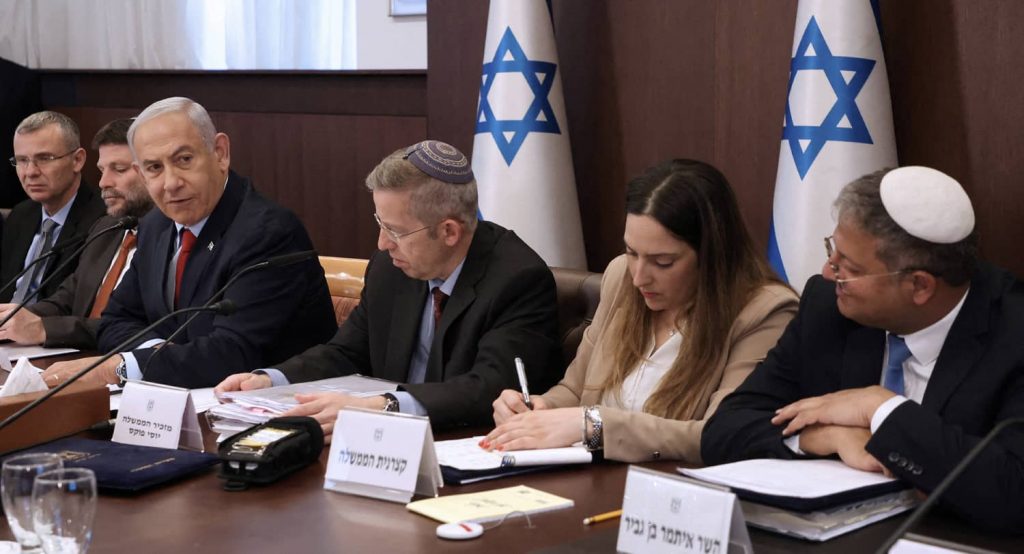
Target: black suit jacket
<point>503,305</point>
<point>977,382</point>
<point>281,310</point>
<point>65,313</point>
<point>23,223</point>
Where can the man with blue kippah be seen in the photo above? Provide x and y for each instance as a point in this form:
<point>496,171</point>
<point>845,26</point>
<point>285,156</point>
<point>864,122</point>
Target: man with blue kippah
<point>449,303</point>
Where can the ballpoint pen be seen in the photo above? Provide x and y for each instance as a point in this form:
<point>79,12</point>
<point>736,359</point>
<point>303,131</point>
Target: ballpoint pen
<point>521,372</point>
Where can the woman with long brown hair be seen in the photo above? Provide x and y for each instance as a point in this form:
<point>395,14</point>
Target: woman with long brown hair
<point>685,315</point>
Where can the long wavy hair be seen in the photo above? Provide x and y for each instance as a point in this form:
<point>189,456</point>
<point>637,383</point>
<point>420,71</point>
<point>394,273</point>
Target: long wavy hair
<point>695,203</point>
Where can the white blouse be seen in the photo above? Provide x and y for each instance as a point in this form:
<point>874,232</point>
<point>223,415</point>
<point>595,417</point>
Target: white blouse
<point>643,381</point>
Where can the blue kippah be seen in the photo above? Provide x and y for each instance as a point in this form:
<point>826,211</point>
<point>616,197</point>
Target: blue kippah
<point>441,161</point>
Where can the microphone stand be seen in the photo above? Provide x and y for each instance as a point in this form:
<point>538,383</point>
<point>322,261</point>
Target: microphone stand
<point>224,306</point>
<point>42,257</point>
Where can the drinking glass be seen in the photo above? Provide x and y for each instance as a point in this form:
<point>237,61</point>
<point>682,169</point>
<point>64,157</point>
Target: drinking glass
<point>63,506</point>
<point>16,479</point>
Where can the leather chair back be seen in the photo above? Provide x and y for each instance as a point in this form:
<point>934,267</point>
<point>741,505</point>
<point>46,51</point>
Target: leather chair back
<point>578,295</point>
<point>345,281</point>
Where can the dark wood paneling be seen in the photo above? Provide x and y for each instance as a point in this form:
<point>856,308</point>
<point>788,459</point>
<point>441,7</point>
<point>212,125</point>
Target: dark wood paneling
<point>301,147</point>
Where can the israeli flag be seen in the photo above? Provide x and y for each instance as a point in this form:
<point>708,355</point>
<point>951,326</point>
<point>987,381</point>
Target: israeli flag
<point>521,156</point>
<point>837,127</point>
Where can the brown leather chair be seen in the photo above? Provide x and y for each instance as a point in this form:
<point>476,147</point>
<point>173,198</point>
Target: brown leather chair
<point>345,281</point>
<point>578,295</point>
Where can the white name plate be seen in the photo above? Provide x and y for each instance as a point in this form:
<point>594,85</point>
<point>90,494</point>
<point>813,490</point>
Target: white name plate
<point>665,513</point>
<point>157,415</point>
<point>382,455</point>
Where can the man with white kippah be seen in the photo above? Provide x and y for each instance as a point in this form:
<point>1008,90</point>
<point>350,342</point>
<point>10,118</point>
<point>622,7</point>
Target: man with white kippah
<point>901,358</point>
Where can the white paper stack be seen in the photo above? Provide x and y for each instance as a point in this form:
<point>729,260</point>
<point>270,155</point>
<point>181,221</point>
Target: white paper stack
<point>241,410</point>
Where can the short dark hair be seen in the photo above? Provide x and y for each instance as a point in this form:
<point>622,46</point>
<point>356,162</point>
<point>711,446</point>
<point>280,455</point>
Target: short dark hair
<point>860,203</point>
<point>114,132</point>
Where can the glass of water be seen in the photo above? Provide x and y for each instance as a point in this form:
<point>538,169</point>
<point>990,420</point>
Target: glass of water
<point>16,479</point>
<point>63,507</point>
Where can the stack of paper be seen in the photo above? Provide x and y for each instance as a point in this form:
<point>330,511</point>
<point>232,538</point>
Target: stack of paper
<point>811,499</point>
<point>463,461</point>
<point>241,410</point>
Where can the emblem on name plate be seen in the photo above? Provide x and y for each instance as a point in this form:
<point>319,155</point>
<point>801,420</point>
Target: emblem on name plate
<point>378,434</point>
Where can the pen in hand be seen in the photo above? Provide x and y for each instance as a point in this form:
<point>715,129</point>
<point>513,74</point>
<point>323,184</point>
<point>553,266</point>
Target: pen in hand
<point>521,372</point>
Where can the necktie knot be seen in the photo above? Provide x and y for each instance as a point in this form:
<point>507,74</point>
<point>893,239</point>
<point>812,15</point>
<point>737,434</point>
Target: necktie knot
<point>48,226</point>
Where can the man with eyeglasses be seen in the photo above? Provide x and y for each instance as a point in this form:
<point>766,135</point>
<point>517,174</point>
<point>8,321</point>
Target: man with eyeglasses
<point>900,363</point>
<point>48,159</point>
<point>210,224</point>
<point>449,303</point>
<point>70,316</point>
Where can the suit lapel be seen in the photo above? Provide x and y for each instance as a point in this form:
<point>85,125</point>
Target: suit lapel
<point>862,358</point>
<point>205,249</point>
<point>405,326</point>
<point>961,350</point>
<point>160,264</point>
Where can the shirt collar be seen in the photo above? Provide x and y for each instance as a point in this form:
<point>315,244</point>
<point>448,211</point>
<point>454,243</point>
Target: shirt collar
<point>62,214</point>
<point>448,285</point>
<point>925,344</point>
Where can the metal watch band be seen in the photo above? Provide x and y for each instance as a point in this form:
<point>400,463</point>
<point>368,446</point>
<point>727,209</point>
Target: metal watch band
<point>594,440</point>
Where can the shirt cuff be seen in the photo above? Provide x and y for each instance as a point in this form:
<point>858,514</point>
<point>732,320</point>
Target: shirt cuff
<point>792,442</point>
<point>277,378</point>
<point>407,404</point>
<point>132,365</point>
<point>884,410</point>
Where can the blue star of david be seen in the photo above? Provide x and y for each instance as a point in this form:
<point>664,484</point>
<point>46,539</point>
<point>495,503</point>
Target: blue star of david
<point>509,134</point>
<point>846,99</point>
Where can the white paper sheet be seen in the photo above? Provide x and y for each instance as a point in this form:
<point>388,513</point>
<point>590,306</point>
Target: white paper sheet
<point>466,454</point>
<point>15,351</point>
<point>795,478</point>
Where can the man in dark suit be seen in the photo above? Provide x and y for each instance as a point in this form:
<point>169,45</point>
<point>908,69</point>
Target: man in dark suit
<point>49,159</point>
<point>70,316</point>
<point>902,362</point>
<point>449,303</point>
<point>210,225</point>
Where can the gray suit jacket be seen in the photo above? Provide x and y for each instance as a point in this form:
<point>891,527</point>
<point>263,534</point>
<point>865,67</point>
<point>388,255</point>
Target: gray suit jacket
<point>65,312</point>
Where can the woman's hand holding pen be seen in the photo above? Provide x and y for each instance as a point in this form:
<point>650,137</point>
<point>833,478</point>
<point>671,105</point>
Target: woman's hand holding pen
<point>510,402</point>
<point>537,428</point>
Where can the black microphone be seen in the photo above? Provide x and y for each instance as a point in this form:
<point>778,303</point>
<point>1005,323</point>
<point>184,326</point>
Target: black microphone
<point>225,306</point>
<point>947,482</point>
<point>126,222</point>
<point>57,249</point>
<point>276,261</point>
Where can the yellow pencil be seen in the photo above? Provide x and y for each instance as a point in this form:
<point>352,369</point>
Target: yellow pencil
<point>602,517</point>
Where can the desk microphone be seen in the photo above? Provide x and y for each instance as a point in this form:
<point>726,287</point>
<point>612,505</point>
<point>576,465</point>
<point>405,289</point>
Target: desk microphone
<point>57,249</point>
<point>126,222</point>
<point>276,261</point>
<point>946,483</point>
<point>225,307</point>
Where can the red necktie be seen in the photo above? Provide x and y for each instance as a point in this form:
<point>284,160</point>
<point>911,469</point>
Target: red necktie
<point>439,299</point>
<point>187,241</point>
<point>107,288</point>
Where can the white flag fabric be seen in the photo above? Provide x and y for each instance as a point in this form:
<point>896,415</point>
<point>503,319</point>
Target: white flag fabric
<point>521,155</point>
<point>837,127</point>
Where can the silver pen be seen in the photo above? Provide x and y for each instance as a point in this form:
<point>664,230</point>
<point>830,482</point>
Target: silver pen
<point>521,372</point>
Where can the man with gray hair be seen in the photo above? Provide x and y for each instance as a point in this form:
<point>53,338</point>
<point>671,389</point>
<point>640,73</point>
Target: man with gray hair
<point>209,225</point>
<point>900,361</point>
<point>48,158</point>
<point>449,303</point>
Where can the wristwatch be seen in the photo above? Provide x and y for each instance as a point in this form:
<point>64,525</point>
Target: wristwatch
<point>593,428</point>
<point>122,372</point>
<point>390,402</point>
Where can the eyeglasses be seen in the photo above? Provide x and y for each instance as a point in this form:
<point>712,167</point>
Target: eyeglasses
<point>394,235</point>
<point>39,160</point>
<point>830,250</point>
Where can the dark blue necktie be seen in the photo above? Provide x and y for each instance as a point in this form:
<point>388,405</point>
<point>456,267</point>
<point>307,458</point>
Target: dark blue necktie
<point>898,353</point>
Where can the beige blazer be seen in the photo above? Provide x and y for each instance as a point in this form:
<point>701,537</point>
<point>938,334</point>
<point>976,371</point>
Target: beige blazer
<point>636,436</point>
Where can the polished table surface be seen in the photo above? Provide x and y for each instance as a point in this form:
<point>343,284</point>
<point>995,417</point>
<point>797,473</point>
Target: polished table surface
<point>297,515</point>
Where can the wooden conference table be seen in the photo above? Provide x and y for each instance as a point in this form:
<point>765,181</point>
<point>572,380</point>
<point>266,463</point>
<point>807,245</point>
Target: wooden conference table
<point>298,515</point>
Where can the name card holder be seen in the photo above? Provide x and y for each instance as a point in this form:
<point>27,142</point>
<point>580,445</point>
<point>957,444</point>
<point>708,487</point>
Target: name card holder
<point>157,415</point>
<point>665,513</point>
<point>384,455</point>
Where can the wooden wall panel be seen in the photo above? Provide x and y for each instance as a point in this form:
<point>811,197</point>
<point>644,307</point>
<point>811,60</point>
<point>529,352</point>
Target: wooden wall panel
<point>301,146</point>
